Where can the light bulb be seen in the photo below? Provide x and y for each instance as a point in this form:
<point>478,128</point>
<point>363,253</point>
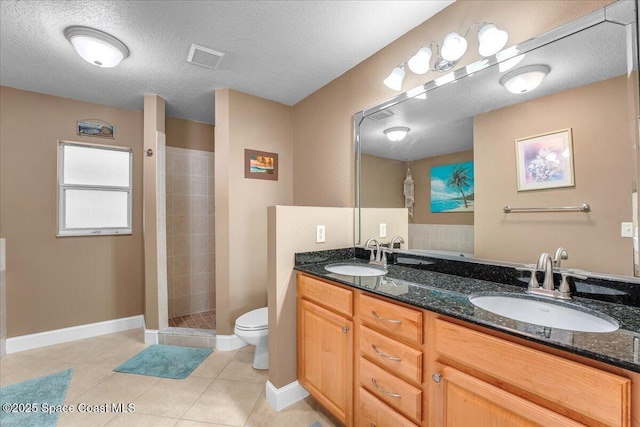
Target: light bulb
<point>453,47</point>
<point>394,80</point>
<point>419,63</point>
<point>491,40</point>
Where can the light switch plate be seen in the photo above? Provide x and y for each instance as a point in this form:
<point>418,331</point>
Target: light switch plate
<point>383,230</point>
<point>320,234</point>
<point>626,229</point>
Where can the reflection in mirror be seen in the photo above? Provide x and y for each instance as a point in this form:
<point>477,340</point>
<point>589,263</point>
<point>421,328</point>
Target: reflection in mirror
<point>580,84</point>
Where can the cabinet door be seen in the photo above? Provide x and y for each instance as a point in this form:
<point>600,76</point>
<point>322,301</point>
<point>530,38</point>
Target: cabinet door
<point>462,400</point>
<point>325,358</point>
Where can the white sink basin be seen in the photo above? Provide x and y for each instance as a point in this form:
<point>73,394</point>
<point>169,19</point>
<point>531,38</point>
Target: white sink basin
<point>356,270</point>
<point>538,312</point>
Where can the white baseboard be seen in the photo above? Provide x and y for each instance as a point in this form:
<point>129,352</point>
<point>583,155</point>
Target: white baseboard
<point>229,342</point>
<point>280,398</point>
<point>151,336</point>
<point>59,336</point>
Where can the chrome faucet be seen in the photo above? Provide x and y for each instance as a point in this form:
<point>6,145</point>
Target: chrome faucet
<point>546,264</point>
<point>561,253</point>
<point>374,259</point>
<point>393,241</point>
<point>389,250</point>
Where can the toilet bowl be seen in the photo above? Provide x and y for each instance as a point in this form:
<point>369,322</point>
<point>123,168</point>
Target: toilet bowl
<point>253,328</point>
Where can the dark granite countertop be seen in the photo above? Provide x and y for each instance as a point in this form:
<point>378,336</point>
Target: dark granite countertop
<point>448,294</point>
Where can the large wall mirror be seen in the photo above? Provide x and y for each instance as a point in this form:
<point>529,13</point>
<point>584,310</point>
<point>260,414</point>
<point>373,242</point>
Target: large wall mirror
<point>473,147</point>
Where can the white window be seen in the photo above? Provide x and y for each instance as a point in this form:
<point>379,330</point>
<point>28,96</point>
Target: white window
<point>94,189</point>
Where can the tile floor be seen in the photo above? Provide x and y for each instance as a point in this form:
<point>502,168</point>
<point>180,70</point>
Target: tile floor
<point>223,391</point>
<point>204,320</point>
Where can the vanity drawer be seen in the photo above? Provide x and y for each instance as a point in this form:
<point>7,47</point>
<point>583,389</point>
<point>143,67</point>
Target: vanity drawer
<point>598,395</point>
<point>333,297</point>
<point>398,321</point>
<point>394,356</point>
<point>396,393</point>
<point>374,412</point>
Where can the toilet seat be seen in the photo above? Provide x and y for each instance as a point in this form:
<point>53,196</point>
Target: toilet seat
<point>254,320</point>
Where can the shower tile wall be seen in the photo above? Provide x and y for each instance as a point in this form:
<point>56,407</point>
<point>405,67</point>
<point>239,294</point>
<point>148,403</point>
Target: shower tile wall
<point>190,231</point>
<point>455,238</point>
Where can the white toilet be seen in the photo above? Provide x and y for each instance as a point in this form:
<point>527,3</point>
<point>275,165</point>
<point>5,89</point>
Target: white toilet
<point>253,328</point>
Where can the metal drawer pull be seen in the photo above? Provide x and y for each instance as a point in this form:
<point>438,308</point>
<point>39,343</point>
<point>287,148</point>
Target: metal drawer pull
<point>381,390</point>
<point>383,319</point>
<point>386,356</point>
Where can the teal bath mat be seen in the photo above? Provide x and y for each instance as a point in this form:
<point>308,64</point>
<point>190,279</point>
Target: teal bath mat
<point>165,361</point>
<point>33,402</point>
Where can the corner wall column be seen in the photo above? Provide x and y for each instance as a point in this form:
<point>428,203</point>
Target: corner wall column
<point>155,246</point>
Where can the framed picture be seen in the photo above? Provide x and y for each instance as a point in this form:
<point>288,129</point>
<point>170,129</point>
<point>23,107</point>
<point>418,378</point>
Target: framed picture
<point>452,188</point>
<point>95,128</point>
<point>545,161</point>
<point>260,165</point>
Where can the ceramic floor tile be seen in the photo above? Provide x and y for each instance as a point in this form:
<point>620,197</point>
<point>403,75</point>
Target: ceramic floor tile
<point>118,388</point>
<point>241,369</point>
<point>300,414</point>
<point>141,420</point>
<point>119,354</point>
<point>171,398</point>
<point>85,377</point>
<point>214,364</point>
<point>189,423</point>
<point>12,363</point>
<point>85,419</point>
<point>40,368</point>
<point>326,419</point>
<point>226,402</point>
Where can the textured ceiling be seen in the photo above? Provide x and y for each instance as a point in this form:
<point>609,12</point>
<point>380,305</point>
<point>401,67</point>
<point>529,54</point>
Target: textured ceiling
<point>278,50</point>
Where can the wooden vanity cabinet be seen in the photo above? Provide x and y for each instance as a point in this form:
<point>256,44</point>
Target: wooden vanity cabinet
<point>487,381</point>
<point>401,366</point>
<point>325,345</point>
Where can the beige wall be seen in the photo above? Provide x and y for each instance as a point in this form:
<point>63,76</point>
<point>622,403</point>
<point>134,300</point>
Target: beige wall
<point>244,121</point>
<point>57,282</point>
<point>421,174</point>
<point>293,229</point>
<point>598,117</point>
<point>323,121</point>
<point>384,182</point>
<point>183,133</point>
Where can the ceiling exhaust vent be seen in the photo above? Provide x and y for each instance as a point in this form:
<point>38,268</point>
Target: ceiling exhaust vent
<point>379,115</point>
<point>204,57</point>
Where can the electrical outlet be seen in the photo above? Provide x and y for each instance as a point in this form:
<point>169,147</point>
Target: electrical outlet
<point>626,229</point>
<point>383,230</point>
<point>320,235</point>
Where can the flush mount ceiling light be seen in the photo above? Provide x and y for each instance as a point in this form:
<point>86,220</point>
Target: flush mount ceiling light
<point>396,133</point>
<point>96,47</point>
<point>525,79</point>
<point>454,46</point>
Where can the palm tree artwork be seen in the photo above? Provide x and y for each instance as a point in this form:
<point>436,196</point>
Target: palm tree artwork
<point>460,179</point>
<point>452,188</point>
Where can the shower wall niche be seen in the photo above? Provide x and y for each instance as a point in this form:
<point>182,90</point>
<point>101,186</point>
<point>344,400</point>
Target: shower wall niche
<point>190,233</point>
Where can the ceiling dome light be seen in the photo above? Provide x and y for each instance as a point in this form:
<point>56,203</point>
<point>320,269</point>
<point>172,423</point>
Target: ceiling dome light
<point>396,133</point>
<point>491,40</point>
<point>525,79</point>
<point>419,63</point>
<point>96,47</point>
<point>394,80</point>
<point>453,46</point>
